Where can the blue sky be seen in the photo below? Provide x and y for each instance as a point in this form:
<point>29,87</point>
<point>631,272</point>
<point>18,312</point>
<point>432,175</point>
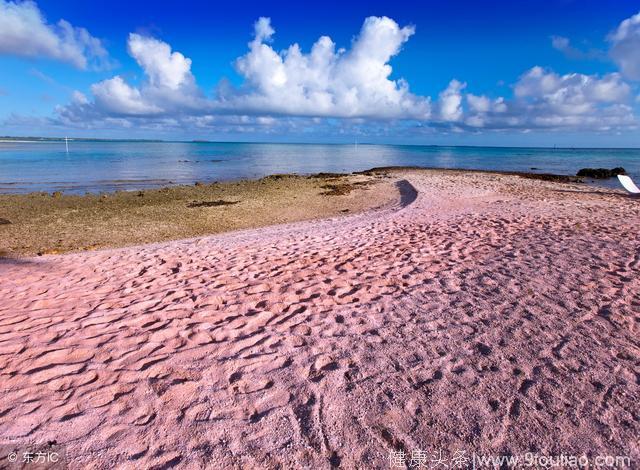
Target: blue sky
<point>495,73</point>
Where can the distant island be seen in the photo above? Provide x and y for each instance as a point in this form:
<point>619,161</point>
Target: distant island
<point>76,139</point>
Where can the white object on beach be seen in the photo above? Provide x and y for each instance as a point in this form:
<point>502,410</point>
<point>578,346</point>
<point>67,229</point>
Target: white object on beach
<point>629,185</point>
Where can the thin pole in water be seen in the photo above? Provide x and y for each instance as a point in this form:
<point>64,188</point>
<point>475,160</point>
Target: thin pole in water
<point>66,143</point>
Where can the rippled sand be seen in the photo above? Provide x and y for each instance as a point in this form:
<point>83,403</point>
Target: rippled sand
<point>481,313</point>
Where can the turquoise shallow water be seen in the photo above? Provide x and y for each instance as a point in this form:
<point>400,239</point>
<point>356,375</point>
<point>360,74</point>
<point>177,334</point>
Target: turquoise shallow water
<point>110,166</point>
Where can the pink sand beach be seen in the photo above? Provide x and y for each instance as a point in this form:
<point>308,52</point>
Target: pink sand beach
<point>481,313</point>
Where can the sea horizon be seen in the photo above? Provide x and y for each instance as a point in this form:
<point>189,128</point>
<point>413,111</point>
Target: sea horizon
<point>93,166</point>
<point>36,139</point>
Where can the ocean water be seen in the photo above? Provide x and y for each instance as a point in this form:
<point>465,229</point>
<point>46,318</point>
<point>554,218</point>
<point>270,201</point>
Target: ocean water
<point>109,166</point>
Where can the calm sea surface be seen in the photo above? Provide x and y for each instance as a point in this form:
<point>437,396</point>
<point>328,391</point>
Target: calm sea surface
<point>110,166</point>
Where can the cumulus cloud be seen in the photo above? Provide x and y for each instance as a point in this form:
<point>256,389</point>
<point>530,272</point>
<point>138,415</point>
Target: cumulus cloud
<point>450,102</point>
<point>25,32</point>
<point>325,81</point>
<point>116,96</point>
<point>544,99</point>
<point>575,90</point>
<point>481,107</point>
<point>169,87</point>
<point>165,69</point>
<point>625,47</point>
<point>288,90</point>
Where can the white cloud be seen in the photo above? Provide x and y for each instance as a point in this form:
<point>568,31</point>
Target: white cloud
<point>326,82</point>
<point>296,91</point>
<point>25,32</point>
<point>115,96</point>
<point>480,107</point>
<point>544,99</point>
<point>575,92</point>
<point>164,68</point>
<point>79,98</point>
<point>450,102</point>
<point>169,87</point>
<point>478,104</point>
<point>625,47</point>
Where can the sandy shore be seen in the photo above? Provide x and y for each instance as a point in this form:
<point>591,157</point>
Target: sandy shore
<point>42,223</point>
<point>479,313</point>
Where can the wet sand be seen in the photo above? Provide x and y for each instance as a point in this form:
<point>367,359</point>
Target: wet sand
<point>478,313</point>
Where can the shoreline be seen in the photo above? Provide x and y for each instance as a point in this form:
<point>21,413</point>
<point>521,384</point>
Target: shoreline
<point>156,184</point>
<point>165,184</point>
<point>558,178</point>
<point>41,223</point>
